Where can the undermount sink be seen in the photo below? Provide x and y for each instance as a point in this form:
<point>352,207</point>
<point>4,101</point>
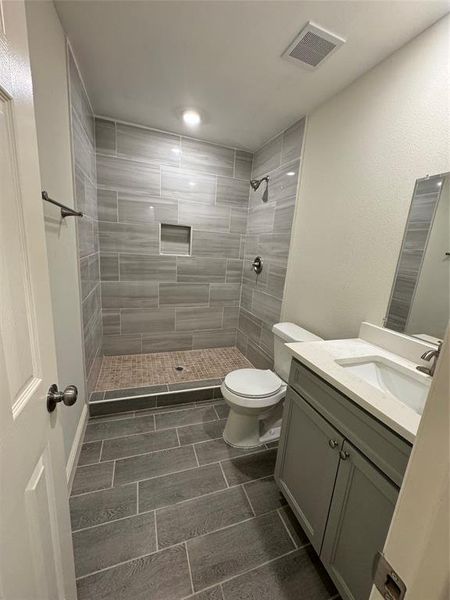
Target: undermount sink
<point>409,387</point>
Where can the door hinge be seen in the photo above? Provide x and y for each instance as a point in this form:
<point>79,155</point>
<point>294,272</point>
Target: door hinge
<point>386,580</point>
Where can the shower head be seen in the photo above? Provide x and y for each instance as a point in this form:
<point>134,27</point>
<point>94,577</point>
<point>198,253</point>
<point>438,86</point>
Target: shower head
<point>255,183</point>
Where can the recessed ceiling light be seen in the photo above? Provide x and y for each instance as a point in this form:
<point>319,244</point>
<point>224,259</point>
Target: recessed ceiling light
<point>176,150</point>
<point>191,118</point>
<point>290,173</point>
<point>192,183</point>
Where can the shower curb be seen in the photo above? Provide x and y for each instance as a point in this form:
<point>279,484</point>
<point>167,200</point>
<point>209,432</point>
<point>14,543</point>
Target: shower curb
<point>106,406</point>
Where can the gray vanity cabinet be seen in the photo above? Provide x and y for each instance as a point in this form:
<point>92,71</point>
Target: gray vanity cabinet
<point>340,470</point>
<point>360,513</point>
<point>306,472</point>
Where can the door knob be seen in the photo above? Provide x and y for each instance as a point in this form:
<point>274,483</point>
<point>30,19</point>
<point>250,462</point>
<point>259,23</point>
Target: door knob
<point>333,443</point>
<point>257,265</point>
<point>344,455</point>
<point>68,396</point>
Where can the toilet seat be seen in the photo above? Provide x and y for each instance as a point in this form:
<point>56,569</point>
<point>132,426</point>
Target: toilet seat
<point>253,383</point>
<point>253,388</point>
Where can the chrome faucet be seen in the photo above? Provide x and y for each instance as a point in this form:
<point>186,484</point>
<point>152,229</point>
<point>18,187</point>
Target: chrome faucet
<point>433,356</point>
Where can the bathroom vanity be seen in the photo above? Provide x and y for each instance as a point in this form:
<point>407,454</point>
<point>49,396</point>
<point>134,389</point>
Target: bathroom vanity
<point>343,453</point>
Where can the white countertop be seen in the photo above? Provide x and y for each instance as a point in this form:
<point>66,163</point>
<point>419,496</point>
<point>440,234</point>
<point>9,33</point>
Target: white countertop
<point>320,357</point>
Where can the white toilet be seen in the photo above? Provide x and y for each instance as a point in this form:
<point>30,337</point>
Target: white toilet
<point>255,395</point>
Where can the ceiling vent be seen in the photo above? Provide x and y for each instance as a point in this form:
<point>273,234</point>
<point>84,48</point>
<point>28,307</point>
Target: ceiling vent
<point>312,45</point>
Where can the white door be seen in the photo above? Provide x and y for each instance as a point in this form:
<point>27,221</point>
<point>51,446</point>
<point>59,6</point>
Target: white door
<point>36,557</point>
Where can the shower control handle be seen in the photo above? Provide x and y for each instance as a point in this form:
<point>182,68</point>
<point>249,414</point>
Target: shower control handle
<point>257,265</point>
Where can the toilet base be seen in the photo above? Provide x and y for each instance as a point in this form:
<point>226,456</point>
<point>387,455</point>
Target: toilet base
<point>242,431</point>
<point>252,430</point>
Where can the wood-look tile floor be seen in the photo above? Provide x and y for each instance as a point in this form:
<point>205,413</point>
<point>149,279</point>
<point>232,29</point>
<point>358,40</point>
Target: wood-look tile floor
<point>136,370</point>
<point>163,509</point>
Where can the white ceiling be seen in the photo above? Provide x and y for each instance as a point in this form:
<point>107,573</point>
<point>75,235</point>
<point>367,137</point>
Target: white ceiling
<point>144,61</point>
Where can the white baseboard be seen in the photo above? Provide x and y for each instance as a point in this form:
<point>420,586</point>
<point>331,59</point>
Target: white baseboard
<point>76,447</point>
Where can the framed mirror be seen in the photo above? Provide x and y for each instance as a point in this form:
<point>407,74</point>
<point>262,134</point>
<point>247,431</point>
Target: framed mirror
<point>419,304</point>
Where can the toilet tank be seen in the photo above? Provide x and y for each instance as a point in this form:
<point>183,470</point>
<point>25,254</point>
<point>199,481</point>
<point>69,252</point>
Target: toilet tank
<point>285,333</point>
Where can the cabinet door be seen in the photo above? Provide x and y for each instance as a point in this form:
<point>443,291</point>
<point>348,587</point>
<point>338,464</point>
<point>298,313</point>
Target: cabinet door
<point>360,515</point>
<point>307,464</point>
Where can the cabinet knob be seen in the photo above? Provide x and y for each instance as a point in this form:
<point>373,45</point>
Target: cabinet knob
<point>344,455</point>
<point>333,443</point>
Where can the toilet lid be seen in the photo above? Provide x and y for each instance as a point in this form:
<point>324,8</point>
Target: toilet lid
<point>253,383</point>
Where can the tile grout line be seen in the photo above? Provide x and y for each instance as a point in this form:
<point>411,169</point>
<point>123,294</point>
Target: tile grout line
<point>218,416</point>
<point>196,457</point>
<point>111,417</point>
<point>133,516</point>
<point>189,567</point>
<point>186,425</point>
<point>291,537</point>
<point>223,473</point>
<point>127,435</point>
<point>114,473</point>
<point>101,455</point>
<point>124,562</point>
<point>156,531</point>
<point>117,458</point>
<point>207,589</point>
<point>248,499</point>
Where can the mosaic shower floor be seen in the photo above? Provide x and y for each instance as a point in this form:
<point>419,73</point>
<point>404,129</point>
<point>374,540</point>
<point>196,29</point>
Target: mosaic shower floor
<point>138,370</point>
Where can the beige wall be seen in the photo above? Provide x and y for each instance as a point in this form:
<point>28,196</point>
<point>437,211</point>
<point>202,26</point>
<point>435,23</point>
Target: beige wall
<point>48,65</point>
<point>364,149</point>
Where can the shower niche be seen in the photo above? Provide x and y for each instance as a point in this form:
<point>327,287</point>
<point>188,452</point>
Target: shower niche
<point>175,239</point>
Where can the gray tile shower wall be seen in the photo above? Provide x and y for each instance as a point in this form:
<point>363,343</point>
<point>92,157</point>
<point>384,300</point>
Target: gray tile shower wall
<point>155,302</point>
<point>268,234</point>
<point>85,182</point>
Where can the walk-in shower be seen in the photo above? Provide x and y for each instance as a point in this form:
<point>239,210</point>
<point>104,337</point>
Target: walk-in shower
<point>171,301</point>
